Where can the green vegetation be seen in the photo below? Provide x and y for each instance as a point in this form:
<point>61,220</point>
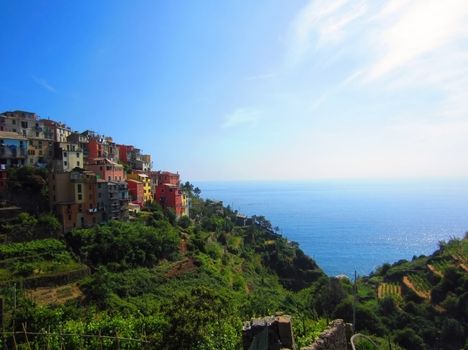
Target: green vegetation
<point>171,284</point>
<point>188,283</point>
<point>392,290</point>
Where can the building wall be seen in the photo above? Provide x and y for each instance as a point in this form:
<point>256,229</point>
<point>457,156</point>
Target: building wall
<point>67,156</point>
<point>40,152</point>
<point>170,196</point>
<point>107,170</point>
<point>145,179</point>
<point>135,188</point>
<point>13,149</point>
<point>166,177</point>
<point>73,196</point>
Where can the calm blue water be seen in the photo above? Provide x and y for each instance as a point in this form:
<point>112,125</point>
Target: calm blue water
<point>354,225</point>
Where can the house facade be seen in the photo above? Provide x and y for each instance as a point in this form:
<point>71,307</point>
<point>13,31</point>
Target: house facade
<point>106,169</point>
<point>135,189</point>
<point>146,180</point>
<point>67,156</point>
<point>13,150</point>
<point>73,198</point>
<point>113,199</point>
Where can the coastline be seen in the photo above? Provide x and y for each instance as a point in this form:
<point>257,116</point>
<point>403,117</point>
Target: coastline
<point>348,225</point>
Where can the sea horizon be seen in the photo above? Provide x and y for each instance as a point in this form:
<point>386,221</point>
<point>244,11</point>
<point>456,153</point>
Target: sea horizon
<point>349,225</point>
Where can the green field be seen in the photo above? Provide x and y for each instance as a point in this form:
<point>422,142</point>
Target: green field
<point>389,290</point>
<point>34,259</point>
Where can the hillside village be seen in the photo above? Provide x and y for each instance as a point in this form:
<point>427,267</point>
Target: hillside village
<point>91,178</point>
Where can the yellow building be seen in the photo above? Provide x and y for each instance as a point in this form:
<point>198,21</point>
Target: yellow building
<point>147,194</point>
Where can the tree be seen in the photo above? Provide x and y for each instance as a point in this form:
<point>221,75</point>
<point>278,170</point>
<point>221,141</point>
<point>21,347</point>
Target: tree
<point>408,339</point>
<point>184,222</point>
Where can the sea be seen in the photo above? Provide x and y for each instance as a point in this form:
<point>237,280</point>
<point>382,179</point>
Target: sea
<point>348,226</point>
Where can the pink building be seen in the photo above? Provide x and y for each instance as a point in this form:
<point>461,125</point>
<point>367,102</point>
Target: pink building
<point>106,169</point>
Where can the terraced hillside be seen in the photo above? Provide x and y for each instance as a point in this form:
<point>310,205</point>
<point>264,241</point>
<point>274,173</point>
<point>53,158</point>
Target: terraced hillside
<point>38,263</point>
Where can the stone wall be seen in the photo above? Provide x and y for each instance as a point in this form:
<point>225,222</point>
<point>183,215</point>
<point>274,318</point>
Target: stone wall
<point>333,338</point>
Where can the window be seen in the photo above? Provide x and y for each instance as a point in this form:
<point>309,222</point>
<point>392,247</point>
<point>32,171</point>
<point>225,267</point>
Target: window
<point>80,197</point>
<point>77,163</point>
<point>77,155</point>
<point>80,208</point>
<point>64,154</point>
<point>37,134</point>
<point>79,189</point>
<point>13,122</point>
<point>65,163</point>
<point>109,178</point>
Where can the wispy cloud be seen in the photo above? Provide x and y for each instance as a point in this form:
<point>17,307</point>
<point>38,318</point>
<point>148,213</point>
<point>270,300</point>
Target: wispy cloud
<point>327,20</point>
<point>44,84</point>
<point>242,116</point>
<point>418,29</point>
<point>398,44</point>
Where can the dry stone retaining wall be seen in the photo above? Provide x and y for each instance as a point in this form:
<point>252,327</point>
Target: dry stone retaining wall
<point>333,338</point>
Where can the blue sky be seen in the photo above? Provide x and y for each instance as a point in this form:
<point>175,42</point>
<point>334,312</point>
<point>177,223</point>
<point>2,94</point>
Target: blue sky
<point>241,90</point>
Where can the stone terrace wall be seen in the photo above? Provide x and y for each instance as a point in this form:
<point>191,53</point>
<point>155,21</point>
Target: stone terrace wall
<point>333,338</point>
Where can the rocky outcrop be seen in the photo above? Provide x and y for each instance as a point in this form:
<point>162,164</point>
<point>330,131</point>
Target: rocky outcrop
<point>333,338</point>
<point>272,333</point>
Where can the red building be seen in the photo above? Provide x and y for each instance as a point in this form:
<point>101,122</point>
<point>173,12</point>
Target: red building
<point>170,196</point>
<point>136,191</point>
<point>95,149</point>
<point>166,177</point>
<point>99,146</point>
<point>106,169</point>
<point>125,152</point>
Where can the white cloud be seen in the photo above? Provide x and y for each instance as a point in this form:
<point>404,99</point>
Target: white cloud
<point>44,84</point>
<point>328,19</point>
<point>242,116</point>
<point>417,29</point>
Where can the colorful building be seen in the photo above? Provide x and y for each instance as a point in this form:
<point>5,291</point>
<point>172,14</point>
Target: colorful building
<point>132,156</point>
<point>170,196</point>
<point>67,156</point>
<point>145,179</point>
<point>135,189</point>
<point>26,124</point>
<point>99,146</point>
<point>13,149</point>
<point>73,197</point>
<point>106,169</point>
<point>166,177</point>
<point>60,131</point>
<point>80,140</point>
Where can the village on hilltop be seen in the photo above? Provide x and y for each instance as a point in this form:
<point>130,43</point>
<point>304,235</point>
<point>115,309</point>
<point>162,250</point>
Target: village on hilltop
<point>91,178</point>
